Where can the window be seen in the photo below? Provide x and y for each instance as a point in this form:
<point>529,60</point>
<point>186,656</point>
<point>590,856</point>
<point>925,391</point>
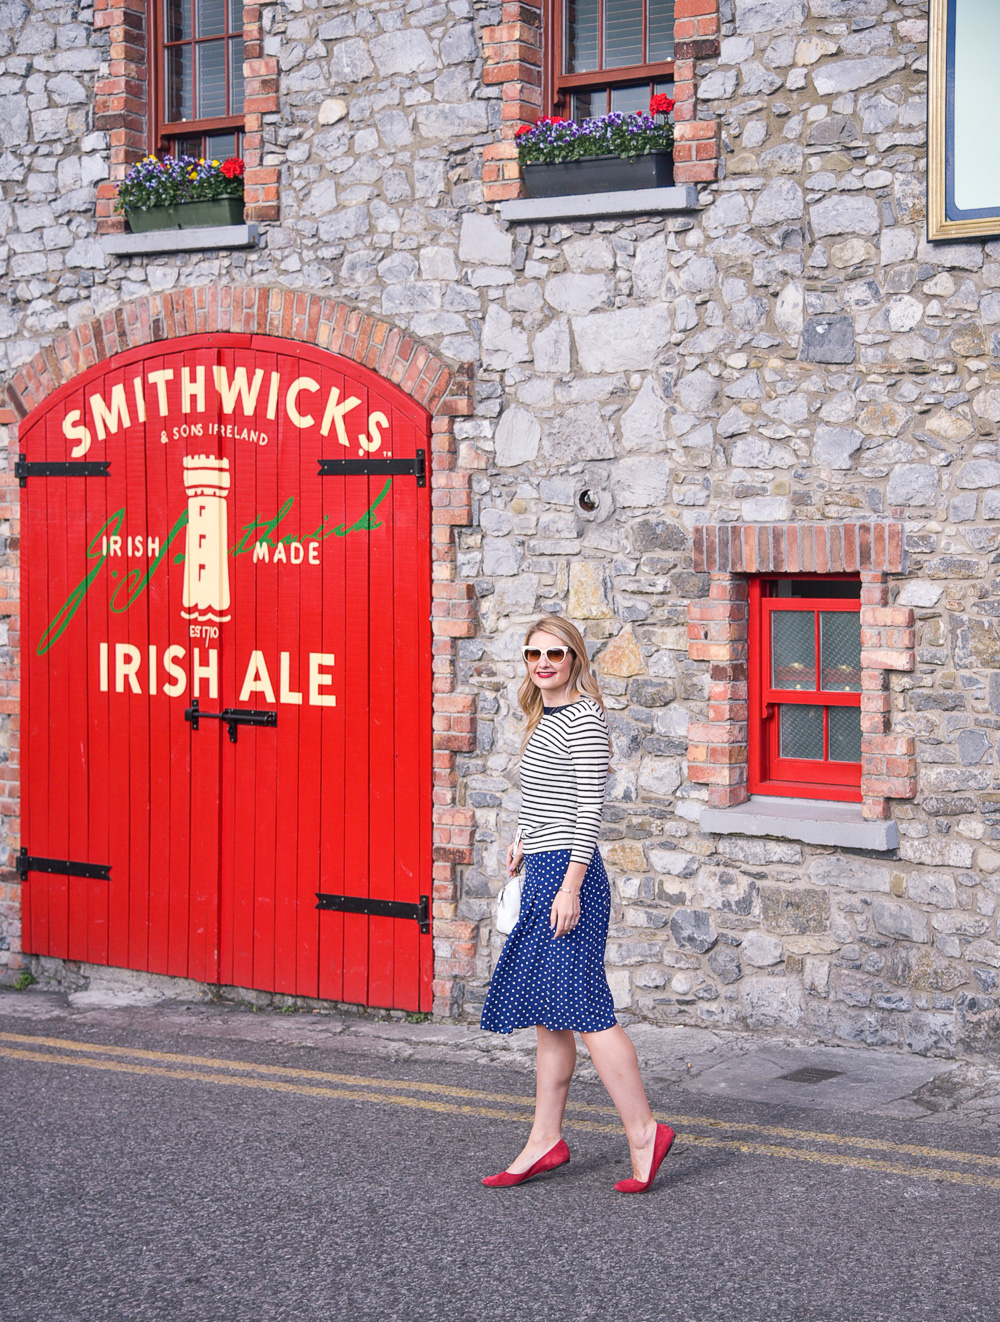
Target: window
<point>805,687</point>
<point>611,55</point>
<point>198,63</point>
<point>963,177</point>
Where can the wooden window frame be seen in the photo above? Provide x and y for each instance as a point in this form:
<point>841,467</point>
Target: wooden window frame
<point>560,86</point>
<point>162,131</point>
<point>769,772</point>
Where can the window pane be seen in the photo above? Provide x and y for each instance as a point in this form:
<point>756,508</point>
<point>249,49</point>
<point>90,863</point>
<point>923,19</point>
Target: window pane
<point>801,732</point>
<point>793,649</point>
<point>840,651</point>
<point>622,33</point>
<point>236,76</point>
<point>179,88</point>
<point>587,105</point>
<point>177,20</point>
<point>840,589</point>
<point>185,146</point>
<point>219,146</point>
<point>845,734</point>
<point>659,31</point>
<point>211,17</point>
<point>628,100</point>
<point>235,15</point>
<point>211,61</point>
<point>581,35</point>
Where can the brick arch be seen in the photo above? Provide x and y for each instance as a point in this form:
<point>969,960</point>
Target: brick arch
<point>249,310</point>
<point>446,393</point>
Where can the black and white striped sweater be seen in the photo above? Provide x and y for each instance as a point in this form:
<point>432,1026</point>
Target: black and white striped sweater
<point>564,769</point>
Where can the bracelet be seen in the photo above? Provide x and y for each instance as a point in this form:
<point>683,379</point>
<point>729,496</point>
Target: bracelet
<point>569,892</point>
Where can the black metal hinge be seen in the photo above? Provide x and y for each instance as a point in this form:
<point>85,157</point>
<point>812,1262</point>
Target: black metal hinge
<point>234,717</point>
<point>63,866</point>
<point>421,912</point>
<point>63,468</point>
<point>417,466</point>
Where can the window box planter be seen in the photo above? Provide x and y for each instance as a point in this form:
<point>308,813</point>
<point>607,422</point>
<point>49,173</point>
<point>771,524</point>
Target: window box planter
<point>186,215</point>
<point>599,174</point>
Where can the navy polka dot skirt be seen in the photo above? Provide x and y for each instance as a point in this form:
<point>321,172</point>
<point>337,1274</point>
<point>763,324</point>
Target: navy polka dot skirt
<point>558,983</point>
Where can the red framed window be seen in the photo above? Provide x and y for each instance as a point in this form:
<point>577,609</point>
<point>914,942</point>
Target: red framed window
<point>198,82</point>
<point>805,687</point>
<point>610,55</point>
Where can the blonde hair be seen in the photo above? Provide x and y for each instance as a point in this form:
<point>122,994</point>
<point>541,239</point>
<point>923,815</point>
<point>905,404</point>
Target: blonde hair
<point>581,677</point>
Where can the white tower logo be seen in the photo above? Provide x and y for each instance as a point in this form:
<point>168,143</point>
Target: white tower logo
<point>206,555</point>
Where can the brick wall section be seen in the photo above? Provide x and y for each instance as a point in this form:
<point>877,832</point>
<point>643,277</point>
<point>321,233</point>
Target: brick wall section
<point>447,394</point>
<point>260,99</point>
<point>121,107</point>
<point>718,630</point>
<point>120,99</point>
<point>512,56</point>
<point>696,141</point>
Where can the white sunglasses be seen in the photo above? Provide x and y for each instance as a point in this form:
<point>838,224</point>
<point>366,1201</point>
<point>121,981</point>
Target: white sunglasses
<point>553,654</point>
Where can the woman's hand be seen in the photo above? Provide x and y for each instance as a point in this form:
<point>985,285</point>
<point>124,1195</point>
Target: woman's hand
<point>515,857</point>
<point>565,913</point>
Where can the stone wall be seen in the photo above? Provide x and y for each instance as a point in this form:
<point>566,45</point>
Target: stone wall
<point>792,351</point>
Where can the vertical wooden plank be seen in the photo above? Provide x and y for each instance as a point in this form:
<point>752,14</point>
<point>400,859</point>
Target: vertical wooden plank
<point>102,786</point>
<point>131,447</point>
<point>391,682</point>
<point>206,742</point>
<point>359,700</point>
<point>238,795</point>
<point>184,845</point>
<point>35,592</point>
<point>409,792</point>
<point>165,714</point>
<point>344,745</point>
<point>257,759</point>
<point>295,811</point>
<point>60,665</point>
<point>425,703</point>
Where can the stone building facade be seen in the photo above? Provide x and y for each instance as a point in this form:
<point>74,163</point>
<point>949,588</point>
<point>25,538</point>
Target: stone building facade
<point>773,371</point>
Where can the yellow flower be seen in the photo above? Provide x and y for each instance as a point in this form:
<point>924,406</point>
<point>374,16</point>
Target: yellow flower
<point>216,164</point>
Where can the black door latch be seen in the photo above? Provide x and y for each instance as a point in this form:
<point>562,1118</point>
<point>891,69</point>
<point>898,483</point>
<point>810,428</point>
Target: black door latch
<point>234,717</point>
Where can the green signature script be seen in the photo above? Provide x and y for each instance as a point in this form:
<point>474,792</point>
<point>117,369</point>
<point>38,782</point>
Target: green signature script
<point>130,588</point>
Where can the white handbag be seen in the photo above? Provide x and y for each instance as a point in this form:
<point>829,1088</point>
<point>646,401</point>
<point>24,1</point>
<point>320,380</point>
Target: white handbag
<point>508,906</point>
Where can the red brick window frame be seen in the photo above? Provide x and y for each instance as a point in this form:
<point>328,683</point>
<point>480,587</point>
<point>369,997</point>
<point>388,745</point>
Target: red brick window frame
<point>124,102</point>
<point>719,634</point>
<point>519,56</point>
<point>804,687</point>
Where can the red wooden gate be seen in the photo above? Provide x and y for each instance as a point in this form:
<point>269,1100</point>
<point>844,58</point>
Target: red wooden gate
<point>226,660</point>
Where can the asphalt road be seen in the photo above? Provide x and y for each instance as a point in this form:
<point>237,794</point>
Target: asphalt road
<point>152,1175</point>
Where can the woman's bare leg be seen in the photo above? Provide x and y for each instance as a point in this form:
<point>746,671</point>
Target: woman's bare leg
<point>618,1066</point>
<point>554,1071</point>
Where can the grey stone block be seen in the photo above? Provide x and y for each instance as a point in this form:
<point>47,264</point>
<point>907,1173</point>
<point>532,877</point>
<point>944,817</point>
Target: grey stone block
<point>828,340</point>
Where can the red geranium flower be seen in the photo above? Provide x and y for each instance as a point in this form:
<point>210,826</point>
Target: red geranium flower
<point>661,104</point>
<point>525,128</point>
<point>232,168</point>
<point>552,119</point>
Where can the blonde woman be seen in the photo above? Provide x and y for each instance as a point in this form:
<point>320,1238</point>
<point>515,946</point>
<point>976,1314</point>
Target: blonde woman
<point>551,972</point>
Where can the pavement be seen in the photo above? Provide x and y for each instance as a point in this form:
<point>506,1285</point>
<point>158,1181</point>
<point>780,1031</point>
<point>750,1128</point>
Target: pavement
<point>182,1160</point>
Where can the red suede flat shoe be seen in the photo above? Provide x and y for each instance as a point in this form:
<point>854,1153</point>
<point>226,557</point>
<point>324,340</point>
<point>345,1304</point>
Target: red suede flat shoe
<point>557,1156</point>
<point>661,1146</point>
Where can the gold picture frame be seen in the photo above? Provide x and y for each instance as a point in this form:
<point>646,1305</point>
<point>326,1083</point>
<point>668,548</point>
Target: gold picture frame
<point>957,89</point>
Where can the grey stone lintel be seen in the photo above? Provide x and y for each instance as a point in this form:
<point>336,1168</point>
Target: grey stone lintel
<point>811,820</point>
<point>195,239</point>
<point>632,202</point>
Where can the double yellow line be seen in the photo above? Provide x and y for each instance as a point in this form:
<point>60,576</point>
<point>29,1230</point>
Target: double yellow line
<point>828,1149</point>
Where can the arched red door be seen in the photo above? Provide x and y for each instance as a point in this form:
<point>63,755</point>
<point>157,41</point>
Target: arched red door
<point>226,658</point>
